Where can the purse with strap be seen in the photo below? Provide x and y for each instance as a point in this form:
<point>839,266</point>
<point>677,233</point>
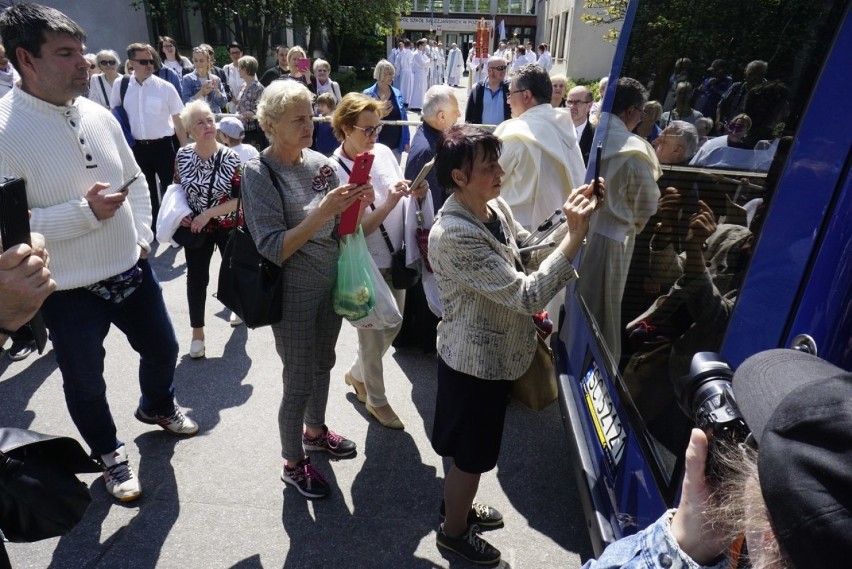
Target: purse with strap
<point>250,285</point>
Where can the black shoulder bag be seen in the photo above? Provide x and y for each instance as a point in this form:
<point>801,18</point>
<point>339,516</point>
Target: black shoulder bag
<point>250,285</point>
<point>184,236</point>
<point>402,276</point>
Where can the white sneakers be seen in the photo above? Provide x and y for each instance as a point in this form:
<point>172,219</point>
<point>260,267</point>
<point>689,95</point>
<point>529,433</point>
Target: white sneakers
<point>196,349</point>
<point>120,479</point>
<point>235,320</point>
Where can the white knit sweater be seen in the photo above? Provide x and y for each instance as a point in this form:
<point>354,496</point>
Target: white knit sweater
<point>61,151</point>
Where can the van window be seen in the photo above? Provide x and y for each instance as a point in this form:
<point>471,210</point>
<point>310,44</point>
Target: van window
<point>727,85</point>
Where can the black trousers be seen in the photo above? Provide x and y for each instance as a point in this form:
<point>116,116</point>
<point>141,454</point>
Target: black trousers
<point>198,274</point>
<point>157,161</point>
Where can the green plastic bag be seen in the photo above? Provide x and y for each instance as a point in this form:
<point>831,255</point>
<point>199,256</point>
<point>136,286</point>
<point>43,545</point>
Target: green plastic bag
<point>354,293</point>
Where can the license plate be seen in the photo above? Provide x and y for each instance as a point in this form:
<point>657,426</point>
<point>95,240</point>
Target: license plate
<point>608,428</point>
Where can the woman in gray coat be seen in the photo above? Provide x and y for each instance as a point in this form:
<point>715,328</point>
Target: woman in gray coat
<point>487,337</point>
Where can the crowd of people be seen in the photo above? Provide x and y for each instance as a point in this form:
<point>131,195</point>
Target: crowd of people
<point>487,190</point>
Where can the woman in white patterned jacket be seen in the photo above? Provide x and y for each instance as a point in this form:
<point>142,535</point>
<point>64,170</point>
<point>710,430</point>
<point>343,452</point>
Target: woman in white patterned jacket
<point>487,336</point>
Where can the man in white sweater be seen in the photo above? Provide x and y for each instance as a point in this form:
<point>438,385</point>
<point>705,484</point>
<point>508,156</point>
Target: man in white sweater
<point>73,157</point>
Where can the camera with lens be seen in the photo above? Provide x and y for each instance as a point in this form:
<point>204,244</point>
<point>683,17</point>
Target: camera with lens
<point>707,396</point>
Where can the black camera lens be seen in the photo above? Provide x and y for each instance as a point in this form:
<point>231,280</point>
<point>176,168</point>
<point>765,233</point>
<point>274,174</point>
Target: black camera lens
<point>706,395</point>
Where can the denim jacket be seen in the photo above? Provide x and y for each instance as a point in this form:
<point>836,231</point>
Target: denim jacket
<point>192,84</point>
<point>652,548</point>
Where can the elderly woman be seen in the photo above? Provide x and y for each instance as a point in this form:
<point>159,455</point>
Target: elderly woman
<point>561,85</point>
<point>202,84</point>
<point>249,97</point>
<point>322,72</point>
<point>100,86</point>
<point>205,170</point>
<point>172,59</point>
<point>487,337</point>
<point>291,201</point>
<point>397,138</point>
<point>357,125</point>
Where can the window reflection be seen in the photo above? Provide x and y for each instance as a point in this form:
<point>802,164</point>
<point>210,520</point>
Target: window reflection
<point>732,97</point>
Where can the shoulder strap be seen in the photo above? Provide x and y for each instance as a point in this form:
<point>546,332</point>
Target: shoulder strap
<point>103,89</point>
<point>125,81</point>
<point>339,160</point>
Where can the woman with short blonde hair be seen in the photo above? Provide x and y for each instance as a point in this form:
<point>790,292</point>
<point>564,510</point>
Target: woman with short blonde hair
<point>291,199</point>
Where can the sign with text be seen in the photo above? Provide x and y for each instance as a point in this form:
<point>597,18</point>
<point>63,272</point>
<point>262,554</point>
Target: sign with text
<point>444,24</point>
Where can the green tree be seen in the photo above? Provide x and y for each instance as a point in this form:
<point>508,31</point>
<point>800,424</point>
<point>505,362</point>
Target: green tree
<point>606,12</point>
<point>250,22</point>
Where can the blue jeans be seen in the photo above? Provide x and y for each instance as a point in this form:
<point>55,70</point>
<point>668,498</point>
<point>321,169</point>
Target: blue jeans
<point>79,321</point>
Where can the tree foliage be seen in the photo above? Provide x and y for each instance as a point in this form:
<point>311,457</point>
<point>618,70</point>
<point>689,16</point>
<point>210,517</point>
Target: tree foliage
<point>250,22</point>
<point>605,12</point>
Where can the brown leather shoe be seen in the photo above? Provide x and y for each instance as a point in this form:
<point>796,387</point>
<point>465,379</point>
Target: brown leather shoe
<point>392,423</point>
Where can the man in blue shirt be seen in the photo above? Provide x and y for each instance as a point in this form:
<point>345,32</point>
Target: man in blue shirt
<point>489,100</point>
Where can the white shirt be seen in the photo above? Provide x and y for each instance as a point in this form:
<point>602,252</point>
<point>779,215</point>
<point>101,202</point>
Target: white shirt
<point>149,107</point>
<point>580,129</point>
<point>245,151</point>
<point>232,72</point>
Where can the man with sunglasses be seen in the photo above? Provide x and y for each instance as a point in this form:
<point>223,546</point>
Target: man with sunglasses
<point>488,102</point>
<point>153,107</point>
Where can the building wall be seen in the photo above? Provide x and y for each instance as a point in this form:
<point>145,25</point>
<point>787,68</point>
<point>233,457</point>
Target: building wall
<point>98,19</point>
<point>578,48</point>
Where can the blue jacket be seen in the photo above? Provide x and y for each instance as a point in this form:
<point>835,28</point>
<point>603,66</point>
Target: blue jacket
<point>397,102</point>
<point>172,77</point>
<point>652,548</point>
<point>192,85</point>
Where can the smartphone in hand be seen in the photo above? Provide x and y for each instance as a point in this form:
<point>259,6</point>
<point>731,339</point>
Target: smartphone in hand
<point>303,64</point>
<point>359,175</point>
<point>14,230</point>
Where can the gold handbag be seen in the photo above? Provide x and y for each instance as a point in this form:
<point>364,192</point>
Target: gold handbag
<point>536,388</point>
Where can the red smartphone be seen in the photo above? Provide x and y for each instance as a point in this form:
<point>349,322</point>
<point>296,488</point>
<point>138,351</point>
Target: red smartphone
<point>360,174</point>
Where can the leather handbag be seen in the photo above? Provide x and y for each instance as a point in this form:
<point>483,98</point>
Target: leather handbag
<point>402,276</point>
<point>536,388</point>
<point>184,237</point>
<point>40,494</point>
<point>250,285</point>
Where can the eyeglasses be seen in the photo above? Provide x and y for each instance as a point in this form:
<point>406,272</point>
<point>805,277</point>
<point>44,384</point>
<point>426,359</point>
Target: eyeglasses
<point>517,91</point>
<point>369,131</point>
<point>107,62</point>
<point>498,68</point>
<point>165,45</point>
<point>572,102</point>
<point>144,61</point>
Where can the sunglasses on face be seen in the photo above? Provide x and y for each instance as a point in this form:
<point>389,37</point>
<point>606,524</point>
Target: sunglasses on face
<point>369,131</point>
<point>107,62</point>
<point>498,68</point>
<point>144,61</point>
<point>736,127</point>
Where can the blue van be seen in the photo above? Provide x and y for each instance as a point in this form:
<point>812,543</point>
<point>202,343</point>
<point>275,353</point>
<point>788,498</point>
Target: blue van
<point>777,265</point>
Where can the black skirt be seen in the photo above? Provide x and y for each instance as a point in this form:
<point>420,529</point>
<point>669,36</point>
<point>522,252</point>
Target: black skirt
<point>469,417</point>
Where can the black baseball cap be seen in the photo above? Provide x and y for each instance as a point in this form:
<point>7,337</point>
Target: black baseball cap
<point>799,409</point>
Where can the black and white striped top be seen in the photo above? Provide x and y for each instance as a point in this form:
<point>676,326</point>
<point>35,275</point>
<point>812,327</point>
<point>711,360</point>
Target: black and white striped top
<point>195,174</point>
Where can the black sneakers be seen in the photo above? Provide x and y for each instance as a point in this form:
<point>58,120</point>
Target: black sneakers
<point>484,516</point>
<point>306,479</point>
<point>469,545</point>
<point>329,441</point>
